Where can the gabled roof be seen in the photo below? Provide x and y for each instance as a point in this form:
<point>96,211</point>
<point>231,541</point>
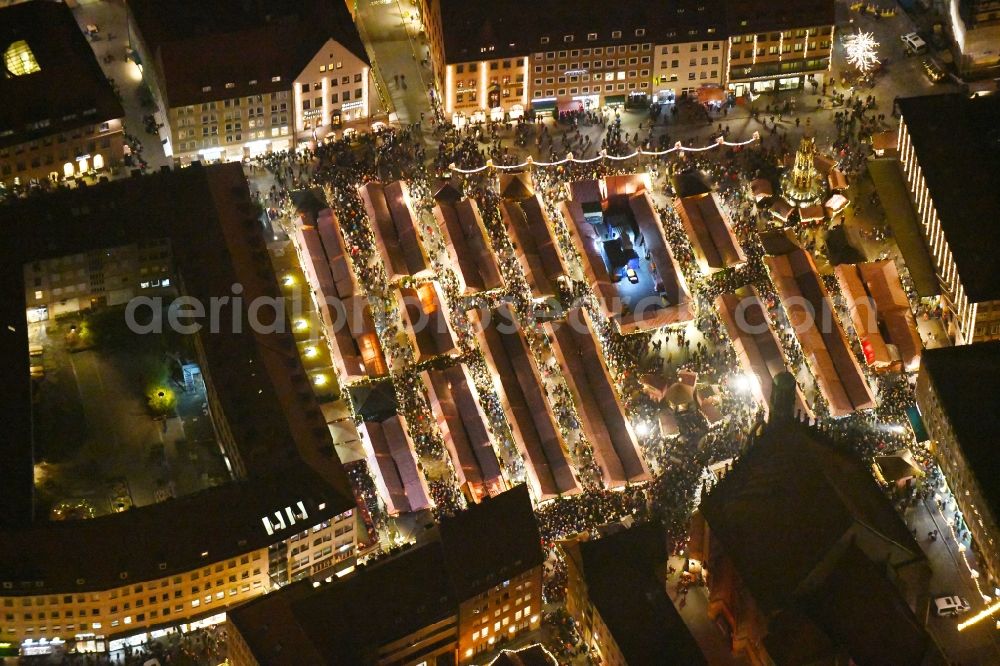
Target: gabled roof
<point>791,501</point>
<point>211,44</point>
<point>68,90</point>
<point>346,621</point>
<point>623,583</point>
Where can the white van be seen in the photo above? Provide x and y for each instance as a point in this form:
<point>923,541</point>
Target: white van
<point>913,44</point>
<point>950,606</point>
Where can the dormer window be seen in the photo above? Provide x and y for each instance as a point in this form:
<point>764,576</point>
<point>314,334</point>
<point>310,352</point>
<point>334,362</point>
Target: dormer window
<point>592,37</point>
<point>616,34</point>
<point>545,40</point>
<point>641,32</point>
<point>568,38</point>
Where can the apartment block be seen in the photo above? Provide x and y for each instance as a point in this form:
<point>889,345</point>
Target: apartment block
<point>949,163</point>
<point>235,81</point>
<point>975,28</point>
<point>454,597</point>
<point>616,594</point>
<point>771,48</point>
<point>101,277</point>
<point>956,394</point>
<point>573,57</point>
<point>60,118</point>
<point>289,513</point>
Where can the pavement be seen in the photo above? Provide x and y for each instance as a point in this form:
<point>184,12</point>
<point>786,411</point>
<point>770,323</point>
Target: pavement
<point>978,644</point>
<point>399,48</point>
<point>693,609</point>
<point>111,19</point>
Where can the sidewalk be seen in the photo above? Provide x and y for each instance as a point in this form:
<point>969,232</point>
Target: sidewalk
<point>713,643</point>
<point>977,644</point>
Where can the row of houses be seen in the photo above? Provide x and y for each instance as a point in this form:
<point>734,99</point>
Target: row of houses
<point>501,59</point>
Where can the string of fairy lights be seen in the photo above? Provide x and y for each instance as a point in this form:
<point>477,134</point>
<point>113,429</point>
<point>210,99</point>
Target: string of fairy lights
<point>603,155</point>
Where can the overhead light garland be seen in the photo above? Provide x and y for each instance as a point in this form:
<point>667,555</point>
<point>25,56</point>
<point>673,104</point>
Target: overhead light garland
<point>678,147</point>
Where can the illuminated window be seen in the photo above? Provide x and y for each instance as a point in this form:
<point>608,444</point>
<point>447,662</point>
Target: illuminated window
<point>19,60</point>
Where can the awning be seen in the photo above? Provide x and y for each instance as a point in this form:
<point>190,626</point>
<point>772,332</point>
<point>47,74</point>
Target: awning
<point>614,100</point>
<point>570,105</point>
<point>811,213</point>
<point>680,396</point>
<point>761,188</point>
<point>837,179</point>
<point>781,209</point>
<point>917,423</point>
<point>835,204</point>
<point>707,94</point>
<point>884,141</point>
<point>898,466</point>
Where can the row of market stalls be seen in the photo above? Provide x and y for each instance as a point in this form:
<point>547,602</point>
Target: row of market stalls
<point>619,236</point>
<point>394,225</point>
<point>816,325</point>
<point>533,240</point>
<point>757,345</point>
<point>603,418</point>
<point>881,315</point>
<point>473,261</point>
<point>519,386</point>
<point>707,224</point>
<point>344,312</point>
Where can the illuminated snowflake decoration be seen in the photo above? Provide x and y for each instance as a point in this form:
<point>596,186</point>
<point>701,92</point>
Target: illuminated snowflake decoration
<point>862,51</point>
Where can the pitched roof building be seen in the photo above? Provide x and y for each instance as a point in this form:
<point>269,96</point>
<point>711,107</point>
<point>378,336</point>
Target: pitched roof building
<point>796,532</point>
<point>423,603</point>
<point>58,105</point>
<point>266,72</point>
<point>618,598</point>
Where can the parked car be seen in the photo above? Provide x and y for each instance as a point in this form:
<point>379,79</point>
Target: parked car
<point>632,276</point>
<point>950,606</point>
<point>933,70</point>
<point>913,43</point>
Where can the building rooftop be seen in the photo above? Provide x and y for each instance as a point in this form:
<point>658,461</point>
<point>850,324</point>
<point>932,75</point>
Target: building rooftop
<point>264,395</point>
<point>623,584</point>
<point>966,380</point>
<point>503,29</point>
<point>506,518</point>
<point>51,81</point>
<point>347,620</point>
<point>787,503</point>
<point>815,542</point>
<point>749,16</point>
<point>237,48</point>
<point>957,143</point>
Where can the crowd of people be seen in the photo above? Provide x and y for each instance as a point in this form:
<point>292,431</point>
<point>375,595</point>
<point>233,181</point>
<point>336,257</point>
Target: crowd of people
<point>679,460</point>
